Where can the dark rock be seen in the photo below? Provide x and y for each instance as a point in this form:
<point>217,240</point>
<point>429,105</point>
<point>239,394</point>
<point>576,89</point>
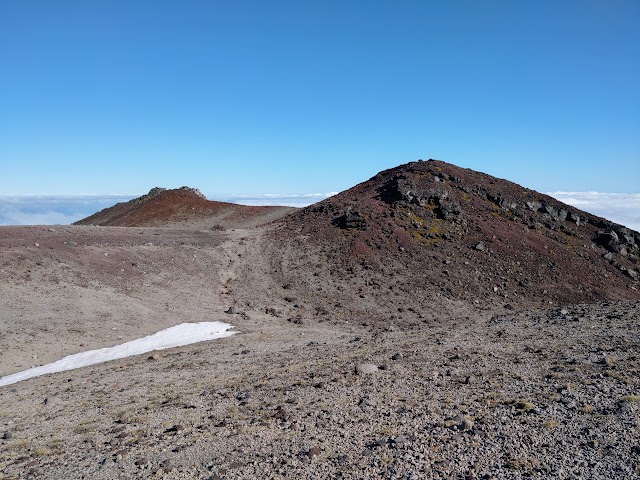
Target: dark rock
<point>533,205</point>
<point>609,240</point>
<point>352,219</point>
<point>466,424</point>
<point>574,217</point>
<point>562,215</point>
<point>175,429</point>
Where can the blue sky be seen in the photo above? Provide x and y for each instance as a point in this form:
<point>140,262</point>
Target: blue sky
<point>297,97</point>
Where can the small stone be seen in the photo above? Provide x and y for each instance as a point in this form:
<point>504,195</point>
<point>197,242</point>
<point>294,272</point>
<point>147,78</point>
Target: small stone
<point>231,310</point>
<point>396,356</point>
<point>466,424</point>
<point>525,406</point>
<point>381,442</point>
<point>175,429</point>
<point>314,452</point>
<point>244,352</point>
<point>400,439</point>
<point>156,356</point>
<point>7,435</point>
<point>141,462</point>
<point>366,368</point>
<point>480,246</point>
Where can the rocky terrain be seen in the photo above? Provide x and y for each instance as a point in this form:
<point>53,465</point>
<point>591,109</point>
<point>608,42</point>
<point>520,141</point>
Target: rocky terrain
<point>432,322</point>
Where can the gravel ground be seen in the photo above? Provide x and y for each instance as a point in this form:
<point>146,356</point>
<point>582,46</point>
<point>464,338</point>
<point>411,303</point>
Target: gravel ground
<point>546,393</point>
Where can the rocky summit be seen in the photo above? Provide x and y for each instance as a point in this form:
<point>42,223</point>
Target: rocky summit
<point>431,322</point>
<point>182,207</point>
<point>429,233</point>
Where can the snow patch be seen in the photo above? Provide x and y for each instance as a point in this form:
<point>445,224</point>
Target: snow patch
<point>180,335</point>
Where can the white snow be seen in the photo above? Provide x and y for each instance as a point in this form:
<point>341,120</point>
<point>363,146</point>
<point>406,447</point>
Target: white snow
<point>183,334</point>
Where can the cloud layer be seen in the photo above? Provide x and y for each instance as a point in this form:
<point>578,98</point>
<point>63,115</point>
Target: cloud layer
<point>287,200</point>
<point>53,209</point>
<point>623,208</point>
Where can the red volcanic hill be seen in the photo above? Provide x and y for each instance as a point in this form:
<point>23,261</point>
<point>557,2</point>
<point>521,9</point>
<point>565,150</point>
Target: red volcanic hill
<point>427,233</point>
<point>182,207</point>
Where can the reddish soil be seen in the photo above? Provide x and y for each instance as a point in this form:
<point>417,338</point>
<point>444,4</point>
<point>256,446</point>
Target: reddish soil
<point>182,207</point>
<point>426,234</point>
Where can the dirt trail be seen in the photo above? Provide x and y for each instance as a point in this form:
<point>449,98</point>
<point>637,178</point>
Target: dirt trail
<point>111,286</point>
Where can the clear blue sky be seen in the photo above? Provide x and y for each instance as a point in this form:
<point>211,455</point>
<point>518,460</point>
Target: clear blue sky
<point>314,96</point>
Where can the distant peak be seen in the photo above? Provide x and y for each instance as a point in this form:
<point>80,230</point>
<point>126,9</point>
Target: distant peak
<point>194,191</point>
<point>155,191</point>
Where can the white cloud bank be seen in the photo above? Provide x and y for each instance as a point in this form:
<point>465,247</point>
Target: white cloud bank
<point>183,334</point>
<point>287,200</point>
<point>66,209</point>
<point>53,209</point>
<point>622,208</point>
